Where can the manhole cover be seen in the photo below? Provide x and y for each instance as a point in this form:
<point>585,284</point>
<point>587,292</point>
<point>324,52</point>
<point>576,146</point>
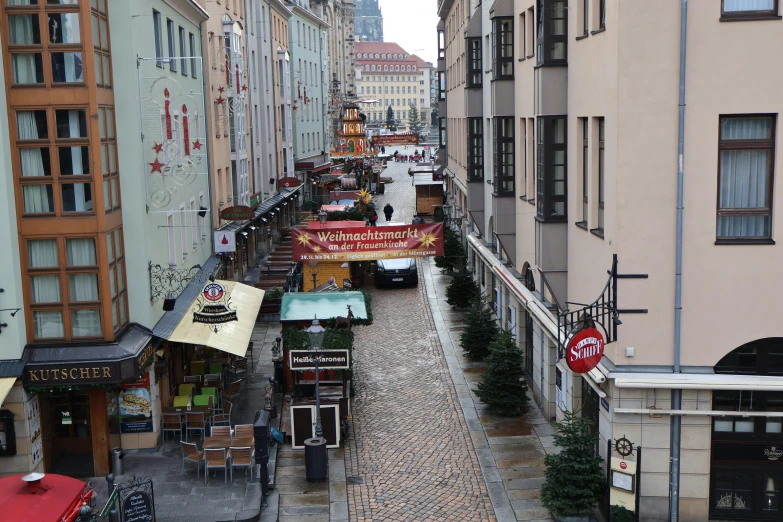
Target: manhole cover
<point>353,481</point>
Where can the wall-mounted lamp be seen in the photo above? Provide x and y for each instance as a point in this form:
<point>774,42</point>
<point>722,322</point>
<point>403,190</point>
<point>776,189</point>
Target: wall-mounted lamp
<point>169,302</point>
<point>202,212</point>
<point>251,227</point>
<point>244,234</point>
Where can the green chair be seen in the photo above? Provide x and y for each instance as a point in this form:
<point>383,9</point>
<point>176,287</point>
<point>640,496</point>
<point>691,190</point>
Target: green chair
<point>216,368</point>
<point>210,391</point>
<point>196,367</point>
<point>201,400</point>
<point>180,401</point>
<point>187,388</point>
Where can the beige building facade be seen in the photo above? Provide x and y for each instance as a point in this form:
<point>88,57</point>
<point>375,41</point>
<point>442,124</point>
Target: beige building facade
<point>575,138</point>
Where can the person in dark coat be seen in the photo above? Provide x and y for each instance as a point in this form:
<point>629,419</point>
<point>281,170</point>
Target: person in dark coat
<point>374,219</point>
<point>388,210</point>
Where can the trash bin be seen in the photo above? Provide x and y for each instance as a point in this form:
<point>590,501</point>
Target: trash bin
<point>316,459</point>
<point>116,461</point>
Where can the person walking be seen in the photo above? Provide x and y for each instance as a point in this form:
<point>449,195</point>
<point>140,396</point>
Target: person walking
<point>388,210</point>
<point>374,219</point>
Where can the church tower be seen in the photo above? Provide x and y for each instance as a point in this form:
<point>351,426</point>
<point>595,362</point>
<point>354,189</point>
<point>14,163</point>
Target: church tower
<point>368,21</point>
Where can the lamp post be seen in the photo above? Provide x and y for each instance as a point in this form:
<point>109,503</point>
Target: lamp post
<point>322,217</point>
<point>316,462</point>
<point>314,273</point>
<point>337,191</point>
<point>315,337</point>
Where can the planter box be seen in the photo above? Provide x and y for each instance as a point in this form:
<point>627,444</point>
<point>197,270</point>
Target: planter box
<point>271,306</point>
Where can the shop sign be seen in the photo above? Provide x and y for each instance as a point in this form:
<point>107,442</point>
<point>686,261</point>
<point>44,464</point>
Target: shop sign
<point>256,199</point>
<point>585,350</point>
<point>137,500</point>
<point>304,165</point>
<point>237,213</point>
<point>213,307</point>
<point>72,373</point>
<point>407,138</point>
<point>33,419</point>
<point>135,406</point>
<point>145,357</point>
<point>225,242</point>
<point>737,451</point>
<point>289,182</point>
<point>357,244</point>
<point>327,360</point>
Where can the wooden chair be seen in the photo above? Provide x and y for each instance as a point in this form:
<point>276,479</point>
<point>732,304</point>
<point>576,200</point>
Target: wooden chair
<point>180,401</point>
<point>196,368</point>
<point>243,430</point>
<point>242,458</point>
<point>223,416</point>
<point>221,431</point>
<point>190,453</point>
<point>250,353</point>
<point>216,459</point>
<point>172,422</point>
<point>233,391</point>
<point>187,388</point>
<point>195,421</point>
<point>195,379</point>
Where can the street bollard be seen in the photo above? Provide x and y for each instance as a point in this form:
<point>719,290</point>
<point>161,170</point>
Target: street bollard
<point>110,482</point>
<point>114,515</point>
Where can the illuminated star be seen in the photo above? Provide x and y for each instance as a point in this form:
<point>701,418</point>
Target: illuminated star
<point>197,145</point>
<point>221,89</point>
<point>220,100</point>
<point>303,239</point>
<point>428,239</point>
<point>158,147</point>
<point>316,248</point>
<point>156,166</point>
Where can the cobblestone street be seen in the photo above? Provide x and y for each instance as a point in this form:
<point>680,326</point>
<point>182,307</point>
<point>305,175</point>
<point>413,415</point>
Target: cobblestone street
<point>410,455</point>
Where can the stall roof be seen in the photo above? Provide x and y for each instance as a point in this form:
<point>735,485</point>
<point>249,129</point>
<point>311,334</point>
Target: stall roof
<point>302,306</point>
<point>336,208</point>
<point>336,224</point>
<point>53,498</point>
<point>424,178</point>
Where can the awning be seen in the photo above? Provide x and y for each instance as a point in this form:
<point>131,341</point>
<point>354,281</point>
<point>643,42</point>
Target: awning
<point>221,316</point>
<point>6,383</point>
<point>696,381</point>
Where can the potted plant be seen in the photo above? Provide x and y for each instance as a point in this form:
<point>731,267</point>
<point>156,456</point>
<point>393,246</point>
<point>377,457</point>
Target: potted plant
<point>503,388</point>
<point>273,298</point>
<point>481,329</point>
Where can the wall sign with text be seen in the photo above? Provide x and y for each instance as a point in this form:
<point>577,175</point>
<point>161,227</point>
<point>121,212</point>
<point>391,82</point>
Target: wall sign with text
<point>585,350</point>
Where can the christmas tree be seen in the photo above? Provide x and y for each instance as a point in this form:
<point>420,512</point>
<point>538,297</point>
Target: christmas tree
<point>453,257</point>
<point>480,330</point>
<point>574,480</point>
<point>414,121</point>
<point>462,290</point>
<point>503,388</point>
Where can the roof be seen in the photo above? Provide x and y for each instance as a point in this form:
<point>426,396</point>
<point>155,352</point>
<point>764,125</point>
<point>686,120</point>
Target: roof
<point>421,63</point>
<point>11,368</point>
<point>424,178</point>
<point>53,498</point>
<point>381,48</point>
<point>378,47</point>
<point>303,306</point>
<point>263,208</point>
<point>336,224</point>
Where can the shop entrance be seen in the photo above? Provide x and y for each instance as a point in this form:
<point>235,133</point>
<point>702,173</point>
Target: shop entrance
<point>67,433</point>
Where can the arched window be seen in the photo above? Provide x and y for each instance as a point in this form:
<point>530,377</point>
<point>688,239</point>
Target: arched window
<point>414,68</point>
<point>366,67</point>
<point>372,68</point>
<point>409,68</point>
<point>376,56</point>
<point>383,56</point>
<point>385,67</point>
<point>396,67</point>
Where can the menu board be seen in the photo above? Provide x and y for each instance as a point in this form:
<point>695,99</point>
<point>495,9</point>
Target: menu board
<point>32,416</point>
<point>135,406</point>
<point>138,507</point>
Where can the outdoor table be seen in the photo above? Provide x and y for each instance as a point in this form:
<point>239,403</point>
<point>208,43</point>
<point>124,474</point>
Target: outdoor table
<point>226,442</point>
<point>193,409</point>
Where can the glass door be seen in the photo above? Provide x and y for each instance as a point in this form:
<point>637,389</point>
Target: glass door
<point>71,442</point>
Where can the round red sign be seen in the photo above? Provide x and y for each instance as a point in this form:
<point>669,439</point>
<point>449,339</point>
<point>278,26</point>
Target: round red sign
<point>213,292</point>
<point>585,350</point>
<point>623,465</point>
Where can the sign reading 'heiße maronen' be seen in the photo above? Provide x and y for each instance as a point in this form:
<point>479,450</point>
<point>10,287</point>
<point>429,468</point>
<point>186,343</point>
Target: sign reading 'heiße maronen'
<point>327,360</point>
<point>358,244</point>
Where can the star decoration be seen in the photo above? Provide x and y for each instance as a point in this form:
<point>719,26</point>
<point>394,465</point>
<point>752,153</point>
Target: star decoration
<point>220,100</point>
<point>221,89</point>
<point>428,239</point>
<point>303,239</point>
<point>197,145</point>
<point>244,87</point>
<point>156,166</point>
<point>316,248</point>
<point>158,147</point>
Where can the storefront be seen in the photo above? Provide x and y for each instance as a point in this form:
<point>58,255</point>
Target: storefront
<point>79,390</point>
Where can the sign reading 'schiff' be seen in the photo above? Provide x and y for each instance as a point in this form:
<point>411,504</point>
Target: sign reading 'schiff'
<point>358,244</point>
<point>585,350</point>
<point>327,360</point>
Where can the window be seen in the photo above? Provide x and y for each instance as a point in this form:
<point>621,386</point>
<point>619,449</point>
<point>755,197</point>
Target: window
<point>584,124</point>
<point>552,33</point>
<point>171,235</point>
<point>600,14</point>
<point>503,48</point>
<point>172,45</point>
<point>551,168</point>
<point>522,36</point>
<point>182,52</point>
<point>158,37</point>
<point>503,138</point>
<point>749,9</point>
<point>475,149</point>
<point>193,59</point>
<point>745,169</point>
<point>117,286</point>
<point>583,15</point>
<point>442,85</point>
<point>475,73</point>
<point>601,174</point>
<point>109,165</point>
<point>442,138</point>
<point>441,45</point>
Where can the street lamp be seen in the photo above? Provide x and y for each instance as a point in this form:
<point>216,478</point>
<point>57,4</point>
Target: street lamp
<point>337,191</point>
<point>314,272</point>
<point>316,462</point>
<point>322,217</point>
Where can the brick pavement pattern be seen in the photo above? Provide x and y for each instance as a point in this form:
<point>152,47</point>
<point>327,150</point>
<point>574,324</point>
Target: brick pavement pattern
<point>409,455</point>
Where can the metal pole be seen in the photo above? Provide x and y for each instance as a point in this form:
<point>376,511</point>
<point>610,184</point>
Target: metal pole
<point>319,432</point>
<point>675,428</point>
<point>638,494</point>
<point>608,480</point>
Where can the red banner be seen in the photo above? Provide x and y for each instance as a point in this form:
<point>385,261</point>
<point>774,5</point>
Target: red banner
<point>409,138</point>
<point>358,244</point>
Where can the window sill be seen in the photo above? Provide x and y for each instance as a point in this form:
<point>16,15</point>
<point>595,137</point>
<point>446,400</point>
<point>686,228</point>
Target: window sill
<point>552,219</point>
<point>582,37</point>
<point>502,194</point>
<point>521,59</point>
<point>581,224</point>
<point>597,232</point>
<point>599,30</point>
<point>530,55</point>
<point>745,241</point>
<point>532,201</point>
<point>750,18</point>
<point>523,197</point>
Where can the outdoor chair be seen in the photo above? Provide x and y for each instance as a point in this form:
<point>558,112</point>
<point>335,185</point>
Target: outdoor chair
<point>172,422</point>
<point>223,415</point>
<point>209,390</point>
<point>180,401</point>
<point>195,422</point>
<point>190,453</point>
<point>202,400</point>
<point>212,380</point>
<point>250,353</point>
<point>242,458</point>
<point>195,379</point>
<point>187,388</point>
<point>216,368</point>
<point>243,430</point>
<point>216,459</point>
<point>233,391</point>
<point>196,367</point>
<point>221,431</point>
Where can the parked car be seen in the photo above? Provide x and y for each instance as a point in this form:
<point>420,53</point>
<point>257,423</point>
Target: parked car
<point>398,271</point>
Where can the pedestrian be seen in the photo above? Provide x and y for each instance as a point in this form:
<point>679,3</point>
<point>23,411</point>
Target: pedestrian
<point>388,210</point>
<point>383,149</point>
<point>374,218</point>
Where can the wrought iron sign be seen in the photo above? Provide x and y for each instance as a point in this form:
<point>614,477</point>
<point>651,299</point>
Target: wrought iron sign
<point>12,310</point>
<point>603,312</point>
<point>171,281</point>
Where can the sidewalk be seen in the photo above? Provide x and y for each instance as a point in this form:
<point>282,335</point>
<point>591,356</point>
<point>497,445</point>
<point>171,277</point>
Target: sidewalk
<point>510,449</point>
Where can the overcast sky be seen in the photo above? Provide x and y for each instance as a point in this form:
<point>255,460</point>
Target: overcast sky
<point>413,25</point>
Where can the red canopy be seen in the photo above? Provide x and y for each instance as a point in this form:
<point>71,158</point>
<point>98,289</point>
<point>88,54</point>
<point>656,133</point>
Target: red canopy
<point>52,499</point>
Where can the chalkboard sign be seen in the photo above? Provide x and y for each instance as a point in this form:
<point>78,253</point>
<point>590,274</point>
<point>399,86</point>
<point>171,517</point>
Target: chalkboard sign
<point>137,500</point>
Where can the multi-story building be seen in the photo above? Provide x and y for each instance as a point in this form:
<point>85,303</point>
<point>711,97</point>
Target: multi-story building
<point>281,81</point>
<point>309,90</point>
<point>433,94</point>
<point>547,233</point>
<point>368,23</point>
<point>425,78</point>
<point>339,15</point>
<point>388,74</point>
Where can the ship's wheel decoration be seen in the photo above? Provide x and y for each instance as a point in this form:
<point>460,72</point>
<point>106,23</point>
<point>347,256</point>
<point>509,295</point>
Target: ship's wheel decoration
<point>623,446</point>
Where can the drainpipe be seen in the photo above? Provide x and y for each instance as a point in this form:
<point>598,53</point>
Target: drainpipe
<point>676,420</point>
<point>207,101</point>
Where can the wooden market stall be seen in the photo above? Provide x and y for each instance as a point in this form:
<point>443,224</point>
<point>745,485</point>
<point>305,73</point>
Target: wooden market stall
<point>429,189</point>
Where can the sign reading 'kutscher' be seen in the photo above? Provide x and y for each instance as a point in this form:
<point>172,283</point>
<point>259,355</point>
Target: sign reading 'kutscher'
<point>327,360</point>
<point>357,244</point>
<point>585,350</point>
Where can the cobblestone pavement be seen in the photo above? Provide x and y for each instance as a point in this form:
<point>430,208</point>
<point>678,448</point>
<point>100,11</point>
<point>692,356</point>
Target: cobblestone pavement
<point>410,455</point>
